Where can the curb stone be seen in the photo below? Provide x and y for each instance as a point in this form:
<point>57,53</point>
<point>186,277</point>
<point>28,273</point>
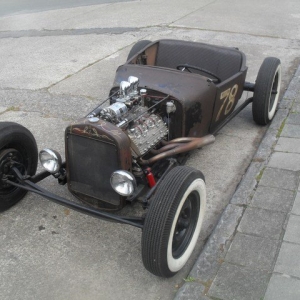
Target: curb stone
<point>211,258</point>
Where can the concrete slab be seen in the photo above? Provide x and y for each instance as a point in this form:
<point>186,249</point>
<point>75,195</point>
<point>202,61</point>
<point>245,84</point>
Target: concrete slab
<point>65,107</point>
<point>292,233</point>
<point>291,145</point>
<point>287,161</point>
<point>288,261</point>
<point>2,109</point>
<point>283,287</point>
<point>236,282</point>
<point>232,14</point>
<point>273,199</point>
<point>296,206</point>
<point>41,20</point>
<point>253,252</point>
<point>130,14</point>
<point>262,222</point>
<point>90,82</point>
<point>53,58</point>
<point>278,178</point>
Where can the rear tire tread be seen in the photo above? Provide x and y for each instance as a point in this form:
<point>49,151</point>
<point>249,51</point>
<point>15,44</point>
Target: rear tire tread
<point>263,87</point>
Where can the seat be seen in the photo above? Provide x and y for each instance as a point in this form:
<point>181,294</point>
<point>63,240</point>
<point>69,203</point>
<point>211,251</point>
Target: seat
<point>222,61</point>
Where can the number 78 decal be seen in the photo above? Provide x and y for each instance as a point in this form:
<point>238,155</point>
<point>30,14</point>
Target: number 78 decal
<point>228,98</point>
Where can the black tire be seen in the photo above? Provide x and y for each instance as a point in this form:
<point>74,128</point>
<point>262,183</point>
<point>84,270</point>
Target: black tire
<point>17,144</point>
<point>173,221</point>
<point>268,80</point>
<point>137,47</point>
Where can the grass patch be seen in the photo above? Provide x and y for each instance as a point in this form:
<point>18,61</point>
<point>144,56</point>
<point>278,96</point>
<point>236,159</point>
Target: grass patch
<point>259,176</point>
<point>280,129</point>
<point>13,108</point>
<point>189,279</point>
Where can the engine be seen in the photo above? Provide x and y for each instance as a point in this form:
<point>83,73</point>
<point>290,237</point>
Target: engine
<point>144,126</point>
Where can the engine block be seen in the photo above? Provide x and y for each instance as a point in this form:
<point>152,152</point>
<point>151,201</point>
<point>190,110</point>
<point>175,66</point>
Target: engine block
<point>146,132</point>
<point>145,127</point>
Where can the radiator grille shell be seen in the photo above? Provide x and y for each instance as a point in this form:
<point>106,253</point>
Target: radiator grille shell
<point>93,153</point>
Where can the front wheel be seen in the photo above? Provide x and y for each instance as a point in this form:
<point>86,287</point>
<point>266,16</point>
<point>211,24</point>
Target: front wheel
<point>173,222</point>
<point>17,149</point>
<point>266,91</point>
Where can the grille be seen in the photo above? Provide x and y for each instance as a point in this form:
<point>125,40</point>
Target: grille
<point>90,164</point>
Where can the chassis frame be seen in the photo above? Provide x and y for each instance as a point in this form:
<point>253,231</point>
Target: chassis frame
<point>29,183</point>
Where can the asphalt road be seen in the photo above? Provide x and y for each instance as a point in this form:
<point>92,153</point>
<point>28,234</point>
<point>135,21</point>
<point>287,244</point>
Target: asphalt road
<point>55,67</point>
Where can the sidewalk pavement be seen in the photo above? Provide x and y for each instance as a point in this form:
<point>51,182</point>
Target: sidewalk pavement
<point>253,252</point>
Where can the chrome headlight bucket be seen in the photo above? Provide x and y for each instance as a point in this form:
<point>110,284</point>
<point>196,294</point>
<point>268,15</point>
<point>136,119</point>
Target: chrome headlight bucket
<point>50,160</point>
<point>123,182</point>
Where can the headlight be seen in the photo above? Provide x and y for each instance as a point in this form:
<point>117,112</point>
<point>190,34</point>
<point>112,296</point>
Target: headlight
<point>50,160</point>
<point>123,182</point>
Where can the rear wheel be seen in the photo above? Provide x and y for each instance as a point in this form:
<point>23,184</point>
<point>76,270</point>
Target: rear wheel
<point>137,47</point>
<point>173,222</point>
<point>266,91</point>
<point>17,148</point>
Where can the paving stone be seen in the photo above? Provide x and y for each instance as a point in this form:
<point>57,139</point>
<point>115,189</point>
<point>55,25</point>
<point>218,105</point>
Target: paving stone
<point>273,199</point>
<point>285,144</point>
<point>296,108</point>
<point>282,179</point>
<point>252,251</point>
<point>283,287</point>
<point>191,291</point>
<point>287,161</point>
<point>292,233</point>
<point>236,282</point>
<point>288,261</point>
<point>293,118</point>
<point>296,207</point>
<point>262,222</point>
<point>291,130</point>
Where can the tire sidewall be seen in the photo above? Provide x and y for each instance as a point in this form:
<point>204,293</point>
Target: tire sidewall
<point>271,110</point>
<point>15,136</point>
<point>21,143</point>
<point>175,264</point>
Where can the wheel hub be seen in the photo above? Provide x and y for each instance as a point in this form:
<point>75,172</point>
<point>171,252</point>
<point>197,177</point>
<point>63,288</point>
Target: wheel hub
<point>8,159</point>
<point>185,225</point>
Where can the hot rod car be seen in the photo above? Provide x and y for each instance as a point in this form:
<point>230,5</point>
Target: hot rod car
<point>169,98</point>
